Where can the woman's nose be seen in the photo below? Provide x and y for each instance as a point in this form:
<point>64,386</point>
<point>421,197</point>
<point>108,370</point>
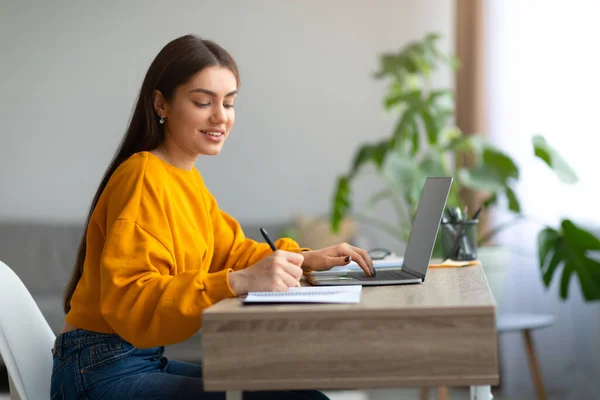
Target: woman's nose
<point>219,115</point>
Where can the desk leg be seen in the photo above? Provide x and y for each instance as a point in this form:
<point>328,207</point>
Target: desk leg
<point>233,395</point>
<point>481,393</point>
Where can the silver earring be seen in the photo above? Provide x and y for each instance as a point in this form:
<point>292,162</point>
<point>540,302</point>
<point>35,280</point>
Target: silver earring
<point>162,121</point>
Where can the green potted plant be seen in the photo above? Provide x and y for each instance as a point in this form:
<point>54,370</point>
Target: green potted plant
<point>426,142</point>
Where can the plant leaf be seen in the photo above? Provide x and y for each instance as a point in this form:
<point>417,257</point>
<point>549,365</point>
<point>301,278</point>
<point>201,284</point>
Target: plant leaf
<point>555,261</point>
<point>431,165</point>
<point>464,143</point>
<point>491,200</point>
<point>442,117</point>
<point>564,280</point>
<point>379,153</point>
<point>589,276</point>
<point>375,153</point>
<point>430,125</point>
<point>513,201</point>
<point>570,248</point>
<point>579,242</point>
<point>442,100</point>
<point>388,64</point>
<point>406,129</point>
<point>404,174</point>
<point>554,160</point>
<point>502,164</point>
<point>431,38</point>
<point>548,244</point>
<point>481,178</point>
<point>413,97</point>
<point>416,138</point>
<point>584,239</point>
<point>341,202</point>
<point>362,156</point>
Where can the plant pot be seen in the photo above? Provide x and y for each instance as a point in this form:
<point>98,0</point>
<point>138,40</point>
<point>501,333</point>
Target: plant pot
<point>494,260</point>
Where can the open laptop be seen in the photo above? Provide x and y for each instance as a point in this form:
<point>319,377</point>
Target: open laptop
<point>418,249</point>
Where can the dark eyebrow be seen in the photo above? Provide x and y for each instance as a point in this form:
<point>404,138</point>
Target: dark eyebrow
<point>211,93</point>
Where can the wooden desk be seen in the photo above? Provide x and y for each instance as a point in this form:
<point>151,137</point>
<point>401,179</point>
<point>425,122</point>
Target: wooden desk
<point>440,333</point>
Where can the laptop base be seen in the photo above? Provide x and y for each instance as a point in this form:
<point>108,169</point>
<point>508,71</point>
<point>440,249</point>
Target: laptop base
<point>386,277</point>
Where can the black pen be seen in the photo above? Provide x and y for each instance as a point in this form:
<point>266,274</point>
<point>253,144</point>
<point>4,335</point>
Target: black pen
<point>271,244</point>
<point>477,213</point>
<point>268,239</point>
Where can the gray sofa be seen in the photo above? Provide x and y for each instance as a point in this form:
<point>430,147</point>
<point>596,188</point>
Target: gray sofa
<point>42,255</point>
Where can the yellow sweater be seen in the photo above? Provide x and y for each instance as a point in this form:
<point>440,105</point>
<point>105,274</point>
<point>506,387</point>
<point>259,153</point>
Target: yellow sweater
<point>159,252</point>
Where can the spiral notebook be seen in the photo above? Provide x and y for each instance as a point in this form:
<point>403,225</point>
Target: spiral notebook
<point>308,294</point>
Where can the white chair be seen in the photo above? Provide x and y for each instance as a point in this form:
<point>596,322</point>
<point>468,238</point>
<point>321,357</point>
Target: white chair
<point>26,339</point>
<point>525,323</point>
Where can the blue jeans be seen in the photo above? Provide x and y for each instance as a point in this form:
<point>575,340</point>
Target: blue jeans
<point>89,365</point>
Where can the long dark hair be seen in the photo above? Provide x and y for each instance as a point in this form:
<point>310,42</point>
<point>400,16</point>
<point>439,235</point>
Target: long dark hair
<point>174,65</point>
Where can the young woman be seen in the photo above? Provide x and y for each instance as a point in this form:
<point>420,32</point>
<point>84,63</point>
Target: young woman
<point>157,249</point>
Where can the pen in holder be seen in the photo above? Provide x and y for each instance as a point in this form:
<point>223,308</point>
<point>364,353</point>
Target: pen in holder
<point>459,237</point>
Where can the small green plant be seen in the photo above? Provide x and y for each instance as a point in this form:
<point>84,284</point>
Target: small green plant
<point>426,142</point>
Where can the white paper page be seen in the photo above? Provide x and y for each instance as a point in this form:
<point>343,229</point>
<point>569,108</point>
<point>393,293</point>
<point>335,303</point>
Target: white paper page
<point>309,294</point>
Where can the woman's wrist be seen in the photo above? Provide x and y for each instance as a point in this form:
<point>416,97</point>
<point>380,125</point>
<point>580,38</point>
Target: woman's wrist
<point>307,263</point>
<point>237,283</point>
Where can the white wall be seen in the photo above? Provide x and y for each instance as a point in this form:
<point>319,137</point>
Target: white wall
<point>71,70</point>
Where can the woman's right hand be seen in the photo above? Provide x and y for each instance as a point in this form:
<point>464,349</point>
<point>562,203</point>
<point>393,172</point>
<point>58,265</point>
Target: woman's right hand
<point>274,273</point>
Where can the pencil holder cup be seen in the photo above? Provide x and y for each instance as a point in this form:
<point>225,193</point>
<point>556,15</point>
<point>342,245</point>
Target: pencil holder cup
<point>459,240</point>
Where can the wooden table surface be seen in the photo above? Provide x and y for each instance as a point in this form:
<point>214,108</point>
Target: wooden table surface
<point>441,332</point>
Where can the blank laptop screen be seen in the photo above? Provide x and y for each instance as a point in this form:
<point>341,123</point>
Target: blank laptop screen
<point>426,224</point>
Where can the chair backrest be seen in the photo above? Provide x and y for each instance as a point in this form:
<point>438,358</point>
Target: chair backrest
<point>26,339</point>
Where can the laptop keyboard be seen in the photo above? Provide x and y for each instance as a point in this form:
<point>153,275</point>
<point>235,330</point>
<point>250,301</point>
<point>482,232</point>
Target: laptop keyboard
<point>382,276</point>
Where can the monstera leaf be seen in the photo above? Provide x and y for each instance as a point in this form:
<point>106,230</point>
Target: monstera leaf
<point>570,248</point>
<point>554,160</point>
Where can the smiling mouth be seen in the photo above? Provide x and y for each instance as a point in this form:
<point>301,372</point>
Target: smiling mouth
<point>212,133</point>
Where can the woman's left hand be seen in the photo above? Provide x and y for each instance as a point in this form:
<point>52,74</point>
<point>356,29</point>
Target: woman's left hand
<point>340,254</point>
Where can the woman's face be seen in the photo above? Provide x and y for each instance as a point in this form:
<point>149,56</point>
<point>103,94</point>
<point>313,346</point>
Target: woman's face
<point>200,115</point>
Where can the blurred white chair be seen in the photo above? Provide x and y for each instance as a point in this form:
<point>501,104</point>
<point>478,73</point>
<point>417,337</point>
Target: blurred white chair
<point>26,339</point>
<point>525,323</point>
